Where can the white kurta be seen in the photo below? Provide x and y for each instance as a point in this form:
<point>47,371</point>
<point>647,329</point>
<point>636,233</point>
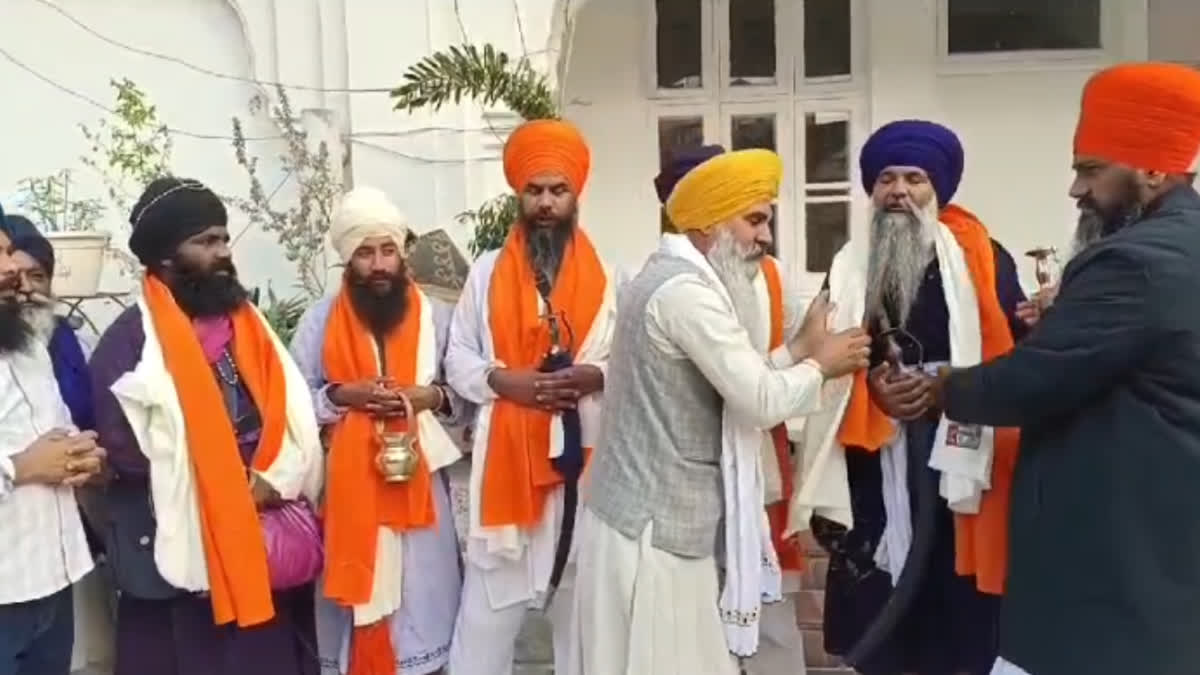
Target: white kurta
<point>642,610</point>
<point>781,647</point>
<point>508,570</point>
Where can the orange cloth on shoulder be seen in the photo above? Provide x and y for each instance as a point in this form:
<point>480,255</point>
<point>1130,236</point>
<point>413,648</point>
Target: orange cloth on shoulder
<point>980,540</point>
<point>233,543</point>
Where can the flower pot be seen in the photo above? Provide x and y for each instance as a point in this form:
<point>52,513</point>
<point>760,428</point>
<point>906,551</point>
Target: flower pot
<point>78,262</point>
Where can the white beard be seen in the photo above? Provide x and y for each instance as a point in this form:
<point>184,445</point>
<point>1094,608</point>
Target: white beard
<point>42,319</point>
<point>901,249</point>
<point>734,267</point>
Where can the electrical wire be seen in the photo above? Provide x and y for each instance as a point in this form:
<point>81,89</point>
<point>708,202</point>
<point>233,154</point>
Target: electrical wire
<point>201,69</point>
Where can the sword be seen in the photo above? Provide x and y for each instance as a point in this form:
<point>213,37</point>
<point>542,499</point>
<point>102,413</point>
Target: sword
<point>569,464</point>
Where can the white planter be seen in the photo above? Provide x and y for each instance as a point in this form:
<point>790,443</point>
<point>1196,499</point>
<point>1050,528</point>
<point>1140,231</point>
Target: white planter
<point>78,262</point>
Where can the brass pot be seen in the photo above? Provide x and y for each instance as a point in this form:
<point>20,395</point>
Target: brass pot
<point>398,456</point>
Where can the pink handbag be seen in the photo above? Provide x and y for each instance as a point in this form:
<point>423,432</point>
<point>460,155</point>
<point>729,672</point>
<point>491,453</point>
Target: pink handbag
<point>295,553</point>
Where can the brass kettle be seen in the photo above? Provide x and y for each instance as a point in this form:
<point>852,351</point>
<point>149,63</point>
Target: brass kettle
<point>398,456</point>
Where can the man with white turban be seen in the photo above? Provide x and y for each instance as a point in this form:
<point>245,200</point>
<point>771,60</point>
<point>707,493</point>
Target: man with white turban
<point>675,492</point>
<point>368,352</point>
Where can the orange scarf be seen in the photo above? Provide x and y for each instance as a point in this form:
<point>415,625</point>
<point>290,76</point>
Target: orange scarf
<point>790,556</point>
<point>518,475</point>
<point>358,501</point>
<point>233,543</point>
<point>981,540</point>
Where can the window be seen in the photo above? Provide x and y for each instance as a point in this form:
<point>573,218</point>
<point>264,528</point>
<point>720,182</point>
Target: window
<point>994,26</point>
<point>679,43</point>
<point>777,74</point>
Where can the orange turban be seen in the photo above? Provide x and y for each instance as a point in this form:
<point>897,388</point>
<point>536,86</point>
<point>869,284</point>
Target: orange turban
<point>1144,115</point>
<point>546,146</point>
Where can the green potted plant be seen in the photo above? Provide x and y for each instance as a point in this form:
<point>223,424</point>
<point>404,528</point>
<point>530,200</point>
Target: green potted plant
<point>70,226</point>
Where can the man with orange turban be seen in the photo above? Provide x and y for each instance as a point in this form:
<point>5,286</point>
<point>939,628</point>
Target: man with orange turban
<point>529,344</point>
<point>675,493</point>
<point>1105,566</point>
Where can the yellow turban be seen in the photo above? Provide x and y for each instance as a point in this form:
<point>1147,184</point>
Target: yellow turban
<point>724,187</point>
<point>546,146</point>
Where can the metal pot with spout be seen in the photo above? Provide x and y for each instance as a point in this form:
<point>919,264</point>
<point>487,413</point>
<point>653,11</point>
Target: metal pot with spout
<point>398,456</point>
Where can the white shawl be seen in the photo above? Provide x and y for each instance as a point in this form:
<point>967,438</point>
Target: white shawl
<point>148,397</point>
<point>752,573</point>
<point>439,450</point>
<point>962,453</point>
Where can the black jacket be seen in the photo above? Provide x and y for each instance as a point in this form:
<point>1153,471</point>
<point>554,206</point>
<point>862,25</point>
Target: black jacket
<point>1104,574</point>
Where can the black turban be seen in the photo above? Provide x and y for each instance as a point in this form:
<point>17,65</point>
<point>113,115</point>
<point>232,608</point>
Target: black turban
<point>169,212</point>
<point>26,238</point>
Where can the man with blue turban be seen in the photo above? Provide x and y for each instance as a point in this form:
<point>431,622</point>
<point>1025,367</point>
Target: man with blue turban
<point>911,506</point>
<point>34,256</point>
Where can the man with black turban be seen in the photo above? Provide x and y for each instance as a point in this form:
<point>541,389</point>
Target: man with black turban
<point>210,420</point>
<point>911,506</point>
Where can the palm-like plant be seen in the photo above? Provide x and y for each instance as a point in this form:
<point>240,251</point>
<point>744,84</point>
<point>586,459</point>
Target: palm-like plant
<point>484,74</point>
<point>488,76</point>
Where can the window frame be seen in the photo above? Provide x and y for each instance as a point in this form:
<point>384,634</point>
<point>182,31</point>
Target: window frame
<point>789,100</point>
<point>1027,59</point>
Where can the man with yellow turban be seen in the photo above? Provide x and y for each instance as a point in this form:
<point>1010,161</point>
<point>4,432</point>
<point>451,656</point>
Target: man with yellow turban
<point>675,492</point>
<point>1105,566</point>
<point>391,554</point>
<point>529,345</point>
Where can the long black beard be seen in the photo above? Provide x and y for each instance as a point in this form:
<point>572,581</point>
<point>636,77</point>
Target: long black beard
<point>15,330</point>
<point>546,246</point>
<point>380,311</point>
<point>204,293</point>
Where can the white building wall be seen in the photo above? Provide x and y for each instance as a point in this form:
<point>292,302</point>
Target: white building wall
<point>1015,120</point>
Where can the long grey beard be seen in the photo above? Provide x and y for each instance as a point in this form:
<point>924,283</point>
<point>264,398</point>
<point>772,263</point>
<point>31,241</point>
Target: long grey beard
<point>41,319</point>
<point>901,249</point>
<point>737,268</point>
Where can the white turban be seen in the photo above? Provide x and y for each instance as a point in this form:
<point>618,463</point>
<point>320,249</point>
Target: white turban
<point>363,213</point>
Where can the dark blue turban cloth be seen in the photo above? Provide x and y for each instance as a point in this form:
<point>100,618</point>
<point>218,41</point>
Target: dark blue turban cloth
<point>680,163</point>
<point>17,226</point>
<point>918,143</point>
<point>26,238</point>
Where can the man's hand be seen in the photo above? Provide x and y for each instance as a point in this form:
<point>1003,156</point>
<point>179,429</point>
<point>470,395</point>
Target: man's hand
<point>1031,310</point>
<point>422,398</point>
<point>562,389</point>
<point>518,386</point>
<point>814,328</point>
<point>59,457</point>
<point>903,396</point>
<point>842,353</point>
<point>364,394</point>
<point>559,390</point>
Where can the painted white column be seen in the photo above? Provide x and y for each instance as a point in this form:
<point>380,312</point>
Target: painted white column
<point>901,60</point>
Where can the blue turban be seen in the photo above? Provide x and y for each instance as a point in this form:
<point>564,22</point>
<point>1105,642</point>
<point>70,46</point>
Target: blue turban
<point>681,163</point>
<point>927,145</point>
<point>26,238</point>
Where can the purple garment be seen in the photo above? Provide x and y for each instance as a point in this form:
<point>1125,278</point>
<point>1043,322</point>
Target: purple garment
<point>178,637</point>
<point>215,334</point>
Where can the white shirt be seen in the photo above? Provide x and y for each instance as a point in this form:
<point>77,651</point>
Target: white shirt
<point>42,545</point>
<point>687,318</point>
